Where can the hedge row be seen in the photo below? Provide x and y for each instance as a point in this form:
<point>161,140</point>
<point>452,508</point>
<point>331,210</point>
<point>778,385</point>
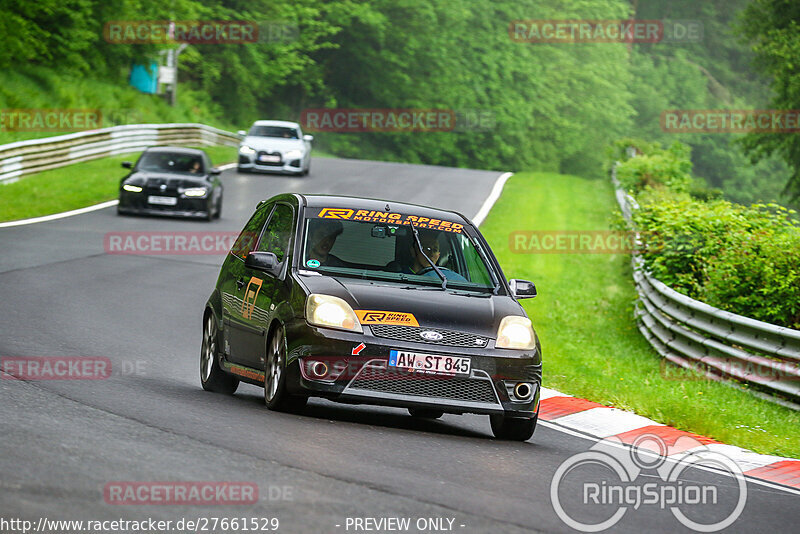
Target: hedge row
<point>743,259</point>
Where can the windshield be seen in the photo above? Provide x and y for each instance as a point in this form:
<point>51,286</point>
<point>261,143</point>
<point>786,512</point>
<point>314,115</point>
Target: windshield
<point>170,162</point>
<point>274,131</point>
<point>388,251</point>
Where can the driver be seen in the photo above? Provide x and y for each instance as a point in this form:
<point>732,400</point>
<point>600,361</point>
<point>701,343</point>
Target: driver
<point>322,235</point>
<point>420,265</point>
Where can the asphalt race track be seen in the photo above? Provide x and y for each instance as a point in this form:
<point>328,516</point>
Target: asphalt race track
<point>62,441</point>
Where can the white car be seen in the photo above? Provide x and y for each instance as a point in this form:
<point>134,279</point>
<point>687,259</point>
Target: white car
<point>275,146</point>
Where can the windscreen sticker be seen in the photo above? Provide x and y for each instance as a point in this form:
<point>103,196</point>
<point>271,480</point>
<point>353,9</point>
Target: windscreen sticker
<point>390,218</point>
<point>386,317</point>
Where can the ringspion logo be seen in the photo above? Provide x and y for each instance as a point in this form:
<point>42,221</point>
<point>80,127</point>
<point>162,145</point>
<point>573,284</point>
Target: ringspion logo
<point>614,480</point>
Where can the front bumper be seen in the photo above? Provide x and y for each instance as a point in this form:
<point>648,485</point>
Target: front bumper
<point>366,378</point>
<point>136,204</point>
<point>250,163</point>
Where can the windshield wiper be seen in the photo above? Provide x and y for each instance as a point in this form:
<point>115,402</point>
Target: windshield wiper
<point>435,268</point>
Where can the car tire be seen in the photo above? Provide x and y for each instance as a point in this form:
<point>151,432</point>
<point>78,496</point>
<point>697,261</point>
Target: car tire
<point>218,214</point>
<point>242,170</point>
<point>513,428</point>
<point>212,377</point>
<point>275,395</point>
<point>425,413</point>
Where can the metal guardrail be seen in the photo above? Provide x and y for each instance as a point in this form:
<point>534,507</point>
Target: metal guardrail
<point>36,155</point>
<point>720,345</point>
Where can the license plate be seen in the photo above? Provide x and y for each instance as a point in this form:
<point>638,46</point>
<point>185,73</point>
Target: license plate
<point>269,159</point>
<point>429,363</point>
<point>164,201</point>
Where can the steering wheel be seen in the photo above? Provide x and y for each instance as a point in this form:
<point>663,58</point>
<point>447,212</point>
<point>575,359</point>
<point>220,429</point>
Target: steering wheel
<point>425,270</point>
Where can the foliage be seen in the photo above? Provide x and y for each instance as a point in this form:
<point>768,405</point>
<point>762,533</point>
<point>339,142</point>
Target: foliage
<point>657,169</point>
<point>741,259</point>
<point>773,29</point>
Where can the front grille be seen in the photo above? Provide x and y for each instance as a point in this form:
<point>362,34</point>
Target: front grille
<point>412,333</point>
<point>374,378</point>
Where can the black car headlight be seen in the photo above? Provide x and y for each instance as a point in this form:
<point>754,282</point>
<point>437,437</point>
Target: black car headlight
<point>195,192</point>
<point>515,332</point>
<point>331,312</point>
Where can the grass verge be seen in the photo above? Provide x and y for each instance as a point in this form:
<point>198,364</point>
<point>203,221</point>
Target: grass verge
<point>584,317</point>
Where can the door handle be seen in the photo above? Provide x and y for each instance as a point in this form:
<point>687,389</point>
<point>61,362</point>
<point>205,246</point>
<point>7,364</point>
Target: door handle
<point>240,283</point>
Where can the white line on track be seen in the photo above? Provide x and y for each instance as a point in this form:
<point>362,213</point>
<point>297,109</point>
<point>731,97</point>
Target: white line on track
<point>492,198</point>
<point>88,209</point>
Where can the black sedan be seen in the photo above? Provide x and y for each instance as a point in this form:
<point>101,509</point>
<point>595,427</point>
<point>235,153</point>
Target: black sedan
<point>171,181</point>
<point>374,302</point>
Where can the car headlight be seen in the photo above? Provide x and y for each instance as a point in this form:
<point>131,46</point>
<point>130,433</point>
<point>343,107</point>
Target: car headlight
<point>515,332</point>
<point>293,154</point>
<point>331,312</point>
<point>195,191</point>
<point>244,149</point>
<point>132,188</point>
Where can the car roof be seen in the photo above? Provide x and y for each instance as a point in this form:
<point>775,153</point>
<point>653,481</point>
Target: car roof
<point>175,150</point>
<point>359,203</point>
<point>285,124</point>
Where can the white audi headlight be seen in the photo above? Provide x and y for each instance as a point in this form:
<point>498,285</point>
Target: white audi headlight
<point>515,332</point>
<point>195,192</point>
<point>293,154</point>
<point>244,149</point>
<point>132,188</point>
<point>331,312</point>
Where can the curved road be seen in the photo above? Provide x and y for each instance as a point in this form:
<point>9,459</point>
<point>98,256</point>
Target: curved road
<point>61,442</point>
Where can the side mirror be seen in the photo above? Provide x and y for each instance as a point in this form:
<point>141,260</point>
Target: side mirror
<point>262,261</point>
<point>523,289</point>
<point>241,133</point>
<point>214,171</point>
<point>127,165</point>
<point>308,138</point>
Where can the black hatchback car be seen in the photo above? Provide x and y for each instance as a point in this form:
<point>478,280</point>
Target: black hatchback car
<point>375,302</point>
<point>171,181</point>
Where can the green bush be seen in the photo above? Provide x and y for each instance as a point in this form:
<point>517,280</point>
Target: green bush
<point>745,260</point>
<point>660,169</point>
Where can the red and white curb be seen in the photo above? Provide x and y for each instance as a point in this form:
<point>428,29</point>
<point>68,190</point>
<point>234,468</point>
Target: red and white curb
<point>606,423</point>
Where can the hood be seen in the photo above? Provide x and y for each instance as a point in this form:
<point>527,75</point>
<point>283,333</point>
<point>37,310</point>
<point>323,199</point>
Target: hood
<point>473,313</point>
<point>172,181</point>
<point>273,143</point>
